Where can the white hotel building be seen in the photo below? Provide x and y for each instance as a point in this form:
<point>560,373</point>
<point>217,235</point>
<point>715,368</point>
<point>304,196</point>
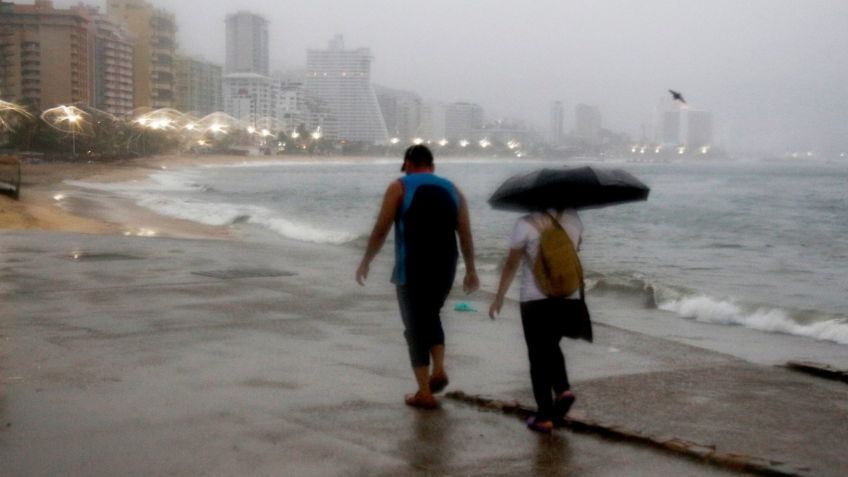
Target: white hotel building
<point>249,93</point>
<point>251,97</point>
<point>341,79</point>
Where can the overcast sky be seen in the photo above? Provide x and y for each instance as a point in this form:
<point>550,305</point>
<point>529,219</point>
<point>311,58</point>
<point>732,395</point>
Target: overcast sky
<point>774,72</point>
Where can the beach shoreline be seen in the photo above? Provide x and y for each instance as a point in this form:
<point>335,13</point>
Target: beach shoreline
<point>43,206</point>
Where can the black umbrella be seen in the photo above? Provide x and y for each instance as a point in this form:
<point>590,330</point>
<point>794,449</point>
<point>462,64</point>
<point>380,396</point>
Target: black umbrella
<point>572,187</point>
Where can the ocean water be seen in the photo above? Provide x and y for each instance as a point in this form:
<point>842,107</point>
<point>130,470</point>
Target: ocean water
<point>760,244</point>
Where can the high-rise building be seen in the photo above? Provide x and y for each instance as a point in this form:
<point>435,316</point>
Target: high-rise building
<point>668,122</point>
<point>556,124</point>
<point>669,130</point>
<point>294,109</point>
<point>511,132</point>
<point>292,106</point>
<point>401,112</point>
<point>46,55</point>
<point>341,79</point>
<point>251,97</point>
<point>199,86</point>
<point>699,131</point>
<point>154,55</point>
<point>432,121</point>
<point>320,117</point>
<point>587,125</point>
<point>113,66</point>
<point>463,120</point>
<point>247,44</point>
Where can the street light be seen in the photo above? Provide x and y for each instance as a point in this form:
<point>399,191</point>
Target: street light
<point>73,119</point>
<point>160,124</point>
<point>68,120</point>
<point>7,107</point>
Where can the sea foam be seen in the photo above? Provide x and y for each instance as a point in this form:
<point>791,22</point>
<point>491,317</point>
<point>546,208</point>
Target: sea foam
<point>221,214</point>
<point>704,308</point>
<point>157,182</point>
<point>150,195</point>
<point>711,310</point>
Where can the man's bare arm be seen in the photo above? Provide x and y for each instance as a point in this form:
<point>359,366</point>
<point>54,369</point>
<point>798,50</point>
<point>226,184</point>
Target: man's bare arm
<point>466,244</point>
<point>391,204</point>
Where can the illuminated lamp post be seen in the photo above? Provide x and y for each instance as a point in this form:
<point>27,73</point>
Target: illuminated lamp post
<point>73,119</point>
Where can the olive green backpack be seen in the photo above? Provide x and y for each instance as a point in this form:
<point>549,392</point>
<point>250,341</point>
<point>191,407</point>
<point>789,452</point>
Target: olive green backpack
<point>557,269</point>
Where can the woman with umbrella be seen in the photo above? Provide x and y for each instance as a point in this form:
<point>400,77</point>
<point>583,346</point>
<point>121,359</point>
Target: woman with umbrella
<point>552,196</point>
<point>541,331</point>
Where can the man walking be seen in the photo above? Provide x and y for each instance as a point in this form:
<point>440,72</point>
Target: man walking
<point>428,213</point>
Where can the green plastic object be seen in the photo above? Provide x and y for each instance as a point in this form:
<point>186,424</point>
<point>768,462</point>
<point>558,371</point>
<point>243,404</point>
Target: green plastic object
<point>463,307</point>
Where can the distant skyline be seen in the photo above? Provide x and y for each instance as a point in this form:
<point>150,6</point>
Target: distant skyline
<point>772,71</point>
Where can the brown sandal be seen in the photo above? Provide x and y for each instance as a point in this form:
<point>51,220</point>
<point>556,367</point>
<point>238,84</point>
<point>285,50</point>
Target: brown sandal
<point>420,401</point>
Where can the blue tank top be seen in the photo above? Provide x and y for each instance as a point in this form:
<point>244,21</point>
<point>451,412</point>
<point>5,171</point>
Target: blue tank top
<point>425,232</point>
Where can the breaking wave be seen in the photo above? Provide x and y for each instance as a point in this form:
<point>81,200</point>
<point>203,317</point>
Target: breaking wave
<point>149,194</point>
<point>711,310</point>
<point>708,309</point>
<point>157,182</point>
<point>222,214</point>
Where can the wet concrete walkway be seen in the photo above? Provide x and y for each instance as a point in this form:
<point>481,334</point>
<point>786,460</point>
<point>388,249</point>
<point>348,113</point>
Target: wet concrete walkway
<point>129,356</point>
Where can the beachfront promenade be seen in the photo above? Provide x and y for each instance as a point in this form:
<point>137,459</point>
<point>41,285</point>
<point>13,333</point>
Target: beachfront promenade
<point>152,356</point>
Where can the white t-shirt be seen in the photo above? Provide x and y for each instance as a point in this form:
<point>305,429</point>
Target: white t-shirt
<point>526,237</point>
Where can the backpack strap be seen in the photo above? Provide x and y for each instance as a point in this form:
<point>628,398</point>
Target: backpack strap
<point>554,219</point>
<point>540,226</point>
<point>536,224</point>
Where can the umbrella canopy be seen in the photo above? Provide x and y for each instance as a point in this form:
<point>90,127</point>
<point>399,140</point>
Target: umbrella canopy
<point>566,188</point>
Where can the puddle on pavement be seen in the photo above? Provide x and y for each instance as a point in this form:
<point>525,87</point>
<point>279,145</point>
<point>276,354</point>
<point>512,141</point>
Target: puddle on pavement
<point>99,257</point>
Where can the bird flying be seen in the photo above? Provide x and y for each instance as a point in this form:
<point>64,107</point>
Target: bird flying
<point>677,96</point>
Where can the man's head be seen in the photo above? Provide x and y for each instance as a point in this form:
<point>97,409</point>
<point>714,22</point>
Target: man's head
<point>417,158</point>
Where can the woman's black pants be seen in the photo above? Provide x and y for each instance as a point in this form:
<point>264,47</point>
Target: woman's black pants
<point>543,332</point>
